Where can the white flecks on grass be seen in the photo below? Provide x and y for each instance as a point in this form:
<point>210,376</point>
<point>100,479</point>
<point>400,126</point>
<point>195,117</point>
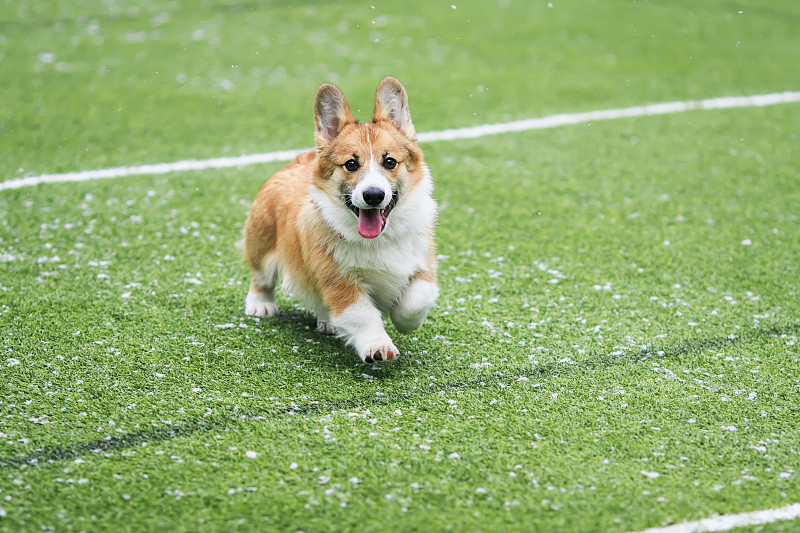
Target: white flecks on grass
<point>250,454</point>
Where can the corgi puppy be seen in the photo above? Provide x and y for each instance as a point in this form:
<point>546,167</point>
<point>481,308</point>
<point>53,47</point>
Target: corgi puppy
<point>349,228</point>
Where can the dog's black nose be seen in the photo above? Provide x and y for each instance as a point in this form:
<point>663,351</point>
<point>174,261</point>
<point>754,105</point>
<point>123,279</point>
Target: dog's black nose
<point>373,196</point>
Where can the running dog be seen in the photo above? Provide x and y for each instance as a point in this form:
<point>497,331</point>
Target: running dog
<point>349,227</point>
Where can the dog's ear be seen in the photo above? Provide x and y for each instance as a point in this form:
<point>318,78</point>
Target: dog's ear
<point>331,114</point>
<point>391,105</point>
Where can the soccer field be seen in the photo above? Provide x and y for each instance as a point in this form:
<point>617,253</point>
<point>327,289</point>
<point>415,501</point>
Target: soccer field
<point>615,347</point>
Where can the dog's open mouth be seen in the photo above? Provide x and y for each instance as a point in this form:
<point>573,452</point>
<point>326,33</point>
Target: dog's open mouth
<point>371,221</point>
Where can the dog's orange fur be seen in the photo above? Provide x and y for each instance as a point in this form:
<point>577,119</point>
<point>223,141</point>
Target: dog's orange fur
<point>270,229</point>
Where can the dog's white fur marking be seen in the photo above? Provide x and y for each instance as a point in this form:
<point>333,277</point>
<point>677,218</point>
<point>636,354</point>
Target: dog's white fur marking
<point>361,326</point>
<point>414,213</point>
<point>386,263</point>
<point>372,178</point>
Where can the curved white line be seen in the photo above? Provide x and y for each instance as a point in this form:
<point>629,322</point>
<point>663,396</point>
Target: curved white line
<point>727,522</point>
<point>158,168</point>
<point>665,108</point>
<point>553,121</point>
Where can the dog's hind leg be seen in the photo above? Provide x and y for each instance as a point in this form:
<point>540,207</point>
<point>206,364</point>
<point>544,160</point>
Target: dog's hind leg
<point>324,325</point>
<point>260,300</point>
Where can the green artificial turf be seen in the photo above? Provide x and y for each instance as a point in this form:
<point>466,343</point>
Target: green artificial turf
<point>615,346</point>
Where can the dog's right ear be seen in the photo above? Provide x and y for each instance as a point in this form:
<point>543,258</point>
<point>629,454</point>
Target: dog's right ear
<point>391,105</point>
<point>331,114</point>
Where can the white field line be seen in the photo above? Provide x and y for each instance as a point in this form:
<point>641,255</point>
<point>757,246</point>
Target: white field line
<point>157,168</point>
<point>727,522</point>
<point>553,121</point>
<point>666,108</point>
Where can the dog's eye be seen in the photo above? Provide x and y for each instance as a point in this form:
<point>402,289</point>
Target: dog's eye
<point>389,163</point>
<point>351,165</point>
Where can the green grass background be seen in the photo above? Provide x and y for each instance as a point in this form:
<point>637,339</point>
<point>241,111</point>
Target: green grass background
<point>619,300</point>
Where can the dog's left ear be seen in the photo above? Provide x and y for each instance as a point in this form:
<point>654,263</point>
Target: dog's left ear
<point>331,114</point>
<point>391,105</point>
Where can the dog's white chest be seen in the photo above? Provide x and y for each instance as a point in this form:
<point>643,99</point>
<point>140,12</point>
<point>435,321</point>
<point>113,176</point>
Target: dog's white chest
<point>383,268</point>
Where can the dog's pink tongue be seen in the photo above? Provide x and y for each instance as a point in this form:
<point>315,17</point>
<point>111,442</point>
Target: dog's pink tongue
<point>370,223</point>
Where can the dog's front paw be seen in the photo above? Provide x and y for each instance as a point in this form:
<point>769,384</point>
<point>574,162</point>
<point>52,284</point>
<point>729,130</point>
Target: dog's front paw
<point>360,324</point>
<point>410,311</point>
<point>381,351</point>
<point>260,304</point>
